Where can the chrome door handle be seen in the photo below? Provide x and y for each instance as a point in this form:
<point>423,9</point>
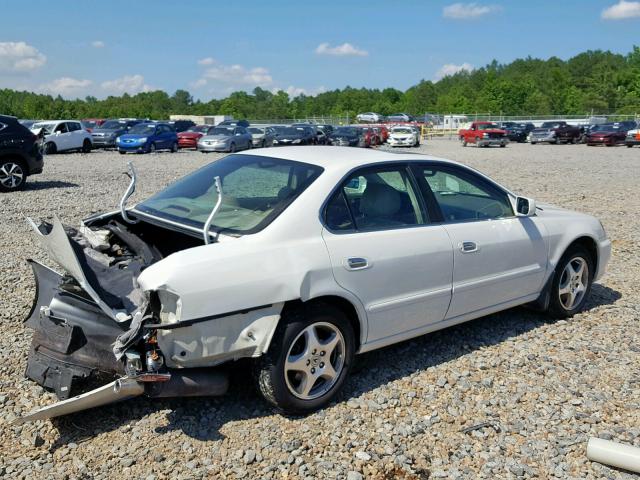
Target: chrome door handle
<point>357,263</point>
<point>468,247</point>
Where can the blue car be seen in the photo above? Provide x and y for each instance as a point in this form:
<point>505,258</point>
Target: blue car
<point>147,138</point>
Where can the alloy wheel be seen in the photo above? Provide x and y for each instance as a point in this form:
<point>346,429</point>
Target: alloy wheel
<point>573,283</point>
<point>11,175</point>
<point>315,360</point>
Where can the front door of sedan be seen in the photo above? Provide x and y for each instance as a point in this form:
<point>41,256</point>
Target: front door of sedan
<point>385,251</point>
<point>498,258</point>
<point>62,137</point>
<point>76,135</point>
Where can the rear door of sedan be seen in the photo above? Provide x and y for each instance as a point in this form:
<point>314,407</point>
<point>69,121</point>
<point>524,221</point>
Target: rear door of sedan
<point>385,250</point>
<point>499,258</point>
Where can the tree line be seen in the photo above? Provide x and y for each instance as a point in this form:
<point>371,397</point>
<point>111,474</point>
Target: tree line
<point>593,81</point>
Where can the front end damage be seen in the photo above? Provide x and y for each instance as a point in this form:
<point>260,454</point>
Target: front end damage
<point>95,325</point>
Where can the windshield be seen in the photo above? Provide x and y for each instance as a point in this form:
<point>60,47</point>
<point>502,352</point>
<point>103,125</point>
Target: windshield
<point>401,130</point>
<point>143,129</point>
<point>255,190</point>
<point>46,127</point>
<point>351,131</point>
<point>221,131</point>
<point>113,125</point>
<point>488,126</point>
<point>258,131</point>
<point>606,128</point>
<point>291,131</point>
<point>199,128</point>
<point>551,125</point>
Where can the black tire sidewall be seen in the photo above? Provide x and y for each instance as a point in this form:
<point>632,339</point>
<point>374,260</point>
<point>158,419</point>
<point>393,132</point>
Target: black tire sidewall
<point>271,368</point>
<point>555,307</point>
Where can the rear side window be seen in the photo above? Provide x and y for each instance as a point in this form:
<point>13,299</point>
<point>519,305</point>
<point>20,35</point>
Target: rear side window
<point>74,126</point>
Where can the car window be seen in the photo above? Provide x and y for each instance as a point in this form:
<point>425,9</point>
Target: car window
<point>462,196</point>
<point>61,128</point>
<point>377,199</point>
<point>74,126</point>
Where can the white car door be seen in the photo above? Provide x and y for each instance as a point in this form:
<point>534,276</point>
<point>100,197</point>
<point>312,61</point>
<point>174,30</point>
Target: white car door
<point>61,137</point>
<point>384,250</point>
<point>76,135</point>
<point>498,258</point>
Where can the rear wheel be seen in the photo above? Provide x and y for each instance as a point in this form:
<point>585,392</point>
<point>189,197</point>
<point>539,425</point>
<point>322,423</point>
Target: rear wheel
<point>50,148</point>
<point>86,146</point>
<point>174,148</point>
<point>13,175</point>
<point>121,152</point>
<point>629,146</point>
<point>463,142</point>
<point>308,360</point>
<point>571,283</point>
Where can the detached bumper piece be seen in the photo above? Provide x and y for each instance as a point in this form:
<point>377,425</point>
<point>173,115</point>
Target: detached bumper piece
<point>73,338</point>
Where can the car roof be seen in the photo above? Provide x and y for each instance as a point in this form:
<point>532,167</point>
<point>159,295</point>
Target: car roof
<point>340,158</point>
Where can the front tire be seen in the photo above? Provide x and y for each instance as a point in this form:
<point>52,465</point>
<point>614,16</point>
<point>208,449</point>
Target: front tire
<point>50,148</point>
<point>308,360</point>
<point>174,148</point>
<point>152,148</point>
<point>572,282</point>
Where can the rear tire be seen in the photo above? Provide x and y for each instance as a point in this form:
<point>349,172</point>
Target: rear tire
<point>303,371</point>
<point>121,152</point>
<point>13,175</point>
<point>570,290</point>
<point>86,146</point>
<point>174,148</point>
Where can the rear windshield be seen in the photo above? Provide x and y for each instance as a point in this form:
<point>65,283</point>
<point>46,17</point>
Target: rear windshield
<point>255,190</point>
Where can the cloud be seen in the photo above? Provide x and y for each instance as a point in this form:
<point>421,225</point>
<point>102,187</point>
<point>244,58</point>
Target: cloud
<point>19,57</point>
<point>128,84</point>
<point>228,78</point>
<point>622,10</point>
<point>344,50</point>
<point>98,44</point>
<point>466,11</point>
<point>451,69</point>
<point>66,86</point>
<point>293,91</point>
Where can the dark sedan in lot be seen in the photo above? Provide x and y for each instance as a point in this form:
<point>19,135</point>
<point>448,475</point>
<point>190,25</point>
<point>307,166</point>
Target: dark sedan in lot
<point>608,134</point>
<point>106,134</point>
<point>518,132</point>
<point>302,135</point>
<point>348,137</point>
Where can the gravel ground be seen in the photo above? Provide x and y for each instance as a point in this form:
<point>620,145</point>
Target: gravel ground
<point>534,389</point>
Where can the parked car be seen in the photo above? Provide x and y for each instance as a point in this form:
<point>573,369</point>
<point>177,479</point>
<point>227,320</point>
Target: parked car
<point>321,137</point>
<point>555,132</point>
<point>607,134</point>
<point>632,138</point>
<point>63,135</point>
<point>517,132</point>
<point>106,134</point>
<point>382,132</point>
<point>27,123</point>
<point>296,260</point>
<point>89,124</point>
<point>262,136</point>
<point>403,136</point>
<point>181,125</point>
<point>303,135</point>
<point>369,117</point>
<point>483,134</point>
<point>189,138</point>
<point>234,123</point>
<point>400,117</point>
<point>225,138</point>
<point>20,154</point>
<point>326,128</point>
<point>348,137</point>
<point>148,137</point>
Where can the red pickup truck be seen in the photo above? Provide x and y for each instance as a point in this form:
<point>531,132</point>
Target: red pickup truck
<point>483,134</point>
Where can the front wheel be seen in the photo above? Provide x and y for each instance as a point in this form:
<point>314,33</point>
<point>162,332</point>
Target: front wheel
<point>174,148</point>
<point>308,360</point>
<point>152,148</point>
<point>50,148</point>
<point>571,283</point>
<point>12,175</point>
<point>232,148</point>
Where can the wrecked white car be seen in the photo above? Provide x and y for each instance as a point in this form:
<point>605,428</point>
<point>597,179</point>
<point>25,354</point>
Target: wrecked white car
<point>298,262</point>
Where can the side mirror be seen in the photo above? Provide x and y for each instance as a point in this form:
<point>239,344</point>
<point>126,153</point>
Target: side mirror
<point>525,207</point>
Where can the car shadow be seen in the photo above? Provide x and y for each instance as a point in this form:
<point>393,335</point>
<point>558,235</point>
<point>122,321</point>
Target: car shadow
<point>47,184</point>
<point>202,418</point>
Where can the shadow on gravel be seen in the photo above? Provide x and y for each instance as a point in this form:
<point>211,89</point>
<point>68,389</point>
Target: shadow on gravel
<point>44,185</point>
<point>202,418</point>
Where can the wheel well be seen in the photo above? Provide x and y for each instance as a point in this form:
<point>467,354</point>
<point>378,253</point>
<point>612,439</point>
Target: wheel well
<point>590,245</point>
<point>341,303</point>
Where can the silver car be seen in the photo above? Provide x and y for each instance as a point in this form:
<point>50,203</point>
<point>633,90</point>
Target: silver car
<point>225,139</point>
<point>262,136</point>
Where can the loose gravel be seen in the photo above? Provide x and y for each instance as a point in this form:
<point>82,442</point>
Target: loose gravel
<point>511,395</point>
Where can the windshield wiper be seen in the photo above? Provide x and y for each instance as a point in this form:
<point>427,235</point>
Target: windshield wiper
<point>207,224</point>
<point>132,188</point>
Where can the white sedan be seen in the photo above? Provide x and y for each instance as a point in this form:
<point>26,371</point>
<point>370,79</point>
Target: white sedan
<point>300,259</point>
<point>403,136</point>
<point>64,135</point>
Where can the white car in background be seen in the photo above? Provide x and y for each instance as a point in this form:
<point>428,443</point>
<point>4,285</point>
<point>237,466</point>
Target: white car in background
<point>298,258</point>
<point>369,117</point>
<point>404,136</point>
<point>63,135</point>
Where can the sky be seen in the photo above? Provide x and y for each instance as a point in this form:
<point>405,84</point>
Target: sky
<point>212,47</point>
